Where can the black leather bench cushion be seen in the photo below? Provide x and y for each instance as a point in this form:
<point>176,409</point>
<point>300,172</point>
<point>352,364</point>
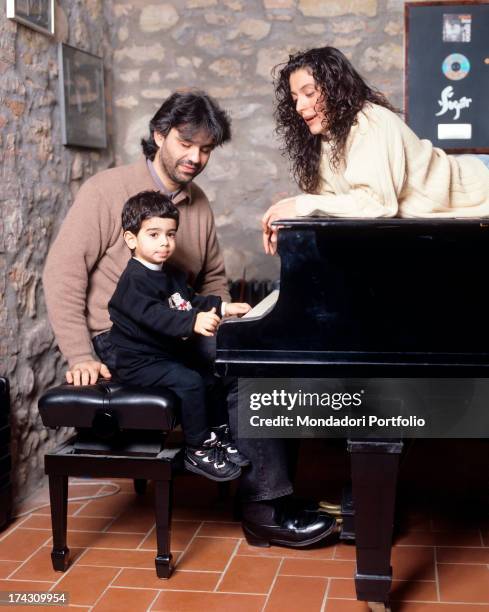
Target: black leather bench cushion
<point>134,407</point>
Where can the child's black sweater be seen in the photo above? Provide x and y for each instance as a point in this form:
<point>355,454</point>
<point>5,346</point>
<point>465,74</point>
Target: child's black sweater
<point>150,309</point>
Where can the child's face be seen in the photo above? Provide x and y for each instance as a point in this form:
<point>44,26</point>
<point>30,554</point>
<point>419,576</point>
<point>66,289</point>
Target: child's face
<point>155,241</point>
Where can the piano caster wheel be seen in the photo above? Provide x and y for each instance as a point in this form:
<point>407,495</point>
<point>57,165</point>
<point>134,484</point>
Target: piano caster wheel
<point>376,606</point>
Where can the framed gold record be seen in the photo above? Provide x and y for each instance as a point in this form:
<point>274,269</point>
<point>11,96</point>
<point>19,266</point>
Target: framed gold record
<point>447,73</point>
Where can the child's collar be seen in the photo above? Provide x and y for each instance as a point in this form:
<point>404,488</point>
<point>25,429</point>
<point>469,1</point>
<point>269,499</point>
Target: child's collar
<point>150,266</point>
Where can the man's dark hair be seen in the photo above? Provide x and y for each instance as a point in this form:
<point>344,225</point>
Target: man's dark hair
<point>196,111</point>
<point>145,205</point>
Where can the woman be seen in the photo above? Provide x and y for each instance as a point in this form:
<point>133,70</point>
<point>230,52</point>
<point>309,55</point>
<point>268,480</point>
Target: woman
<point>353,156</point>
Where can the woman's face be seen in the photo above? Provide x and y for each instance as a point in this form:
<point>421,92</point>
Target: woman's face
<point>308,100</point>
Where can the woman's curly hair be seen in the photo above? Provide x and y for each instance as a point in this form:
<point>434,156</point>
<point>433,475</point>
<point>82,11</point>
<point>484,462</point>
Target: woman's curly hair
<point>345,93</point>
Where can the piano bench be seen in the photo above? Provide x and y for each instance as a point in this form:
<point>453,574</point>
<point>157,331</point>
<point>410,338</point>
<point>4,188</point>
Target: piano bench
<point>121,433</point>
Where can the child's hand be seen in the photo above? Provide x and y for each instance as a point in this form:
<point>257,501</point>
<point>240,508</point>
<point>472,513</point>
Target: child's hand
<point>206,323</point>
<point>237,309</point>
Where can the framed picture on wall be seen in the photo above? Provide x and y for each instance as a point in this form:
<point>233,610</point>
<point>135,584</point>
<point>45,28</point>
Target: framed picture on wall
<point>35,14</point>
<point>447,73</point>
<point>82,98</point>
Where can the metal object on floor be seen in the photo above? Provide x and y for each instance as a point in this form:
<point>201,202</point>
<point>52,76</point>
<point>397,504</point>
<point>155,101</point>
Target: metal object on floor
<point>375,606</point>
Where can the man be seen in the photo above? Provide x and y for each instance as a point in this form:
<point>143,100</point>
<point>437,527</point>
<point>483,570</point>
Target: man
<point>89,255</point>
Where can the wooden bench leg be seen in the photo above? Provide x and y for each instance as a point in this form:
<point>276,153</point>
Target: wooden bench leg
<point>163,505</point>
<point>58,494</point>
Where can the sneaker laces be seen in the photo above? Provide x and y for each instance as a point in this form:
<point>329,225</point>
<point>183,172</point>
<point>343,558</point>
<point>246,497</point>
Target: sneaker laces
<point>212,441</point>
<point>222,432</point>
<point>218,455</point>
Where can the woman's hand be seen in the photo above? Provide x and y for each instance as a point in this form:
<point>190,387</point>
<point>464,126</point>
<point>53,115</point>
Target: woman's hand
<point>285,209</point>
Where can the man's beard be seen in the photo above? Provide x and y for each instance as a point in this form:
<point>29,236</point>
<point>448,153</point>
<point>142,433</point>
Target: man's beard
<point>170,169</point>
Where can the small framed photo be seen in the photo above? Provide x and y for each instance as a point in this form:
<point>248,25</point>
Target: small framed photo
<point>35,14</point>
<point>82,95</point>
<point>456,27</point>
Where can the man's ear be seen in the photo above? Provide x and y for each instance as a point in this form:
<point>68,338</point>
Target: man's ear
<point>130,239</point>
<point>159,138</point>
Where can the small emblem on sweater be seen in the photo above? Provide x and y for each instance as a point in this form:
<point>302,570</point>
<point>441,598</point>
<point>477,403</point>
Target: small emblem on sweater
<point>177,301</point>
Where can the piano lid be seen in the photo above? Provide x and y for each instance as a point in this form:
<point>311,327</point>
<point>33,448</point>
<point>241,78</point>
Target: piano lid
<point>370,292</point>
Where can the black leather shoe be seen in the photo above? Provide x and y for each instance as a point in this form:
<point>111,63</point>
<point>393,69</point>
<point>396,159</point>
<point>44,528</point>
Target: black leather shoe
<point>293,528</point>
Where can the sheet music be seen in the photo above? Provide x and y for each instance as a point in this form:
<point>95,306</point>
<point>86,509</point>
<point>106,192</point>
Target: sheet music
<point>264,306</point>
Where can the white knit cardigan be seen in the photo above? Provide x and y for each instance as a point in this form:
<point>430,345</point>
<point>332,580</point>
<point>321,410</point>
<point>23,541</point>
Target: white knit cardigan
<point>388,171</point>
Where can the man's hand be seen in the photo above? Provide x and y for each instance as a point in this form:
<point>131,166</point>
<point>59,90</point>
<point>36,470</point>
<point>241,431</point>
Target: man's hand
<point>87,373</point>
<point>285,209</point>
<point>206,323</point>
<point>237,309</point>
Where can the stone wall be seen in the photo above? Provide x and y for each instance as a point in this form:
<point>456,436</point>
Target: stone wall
<point>228,47</point>
<point>39,177</point>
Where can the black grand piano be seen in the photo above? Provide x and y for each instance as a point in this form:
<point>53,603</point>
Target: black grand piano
<point>369,298</point>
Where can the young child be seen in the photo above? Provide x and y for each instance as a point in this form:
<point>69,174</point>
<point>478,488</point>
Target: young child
<point>156,319</point>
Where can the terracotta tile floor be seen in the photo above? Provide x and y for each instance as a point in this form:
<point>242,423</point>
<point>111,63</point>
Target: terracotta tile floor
<point>440,558</point>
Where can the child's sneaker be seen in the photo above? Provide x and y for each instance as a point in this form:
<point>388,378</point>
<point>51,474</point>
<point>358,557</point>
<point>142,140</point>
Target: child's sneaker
<point>227,443</point>
<point>210,460</point>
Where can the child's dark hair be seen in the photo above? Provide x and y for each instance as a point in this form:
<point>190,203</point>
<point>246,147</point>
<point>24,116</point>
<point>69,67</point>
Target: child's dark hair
<point>145,205</point>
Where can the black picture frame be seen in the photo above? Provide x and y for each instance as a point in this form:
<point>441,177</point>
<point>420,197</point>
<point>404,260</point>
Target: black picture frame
<point>447,73</point>
<point>35,14</point>
<point>82,98</point>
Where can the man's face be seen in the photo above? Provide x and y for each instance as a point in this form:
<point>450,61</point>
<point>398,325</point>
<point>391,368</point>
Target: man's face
<point>183,154</point>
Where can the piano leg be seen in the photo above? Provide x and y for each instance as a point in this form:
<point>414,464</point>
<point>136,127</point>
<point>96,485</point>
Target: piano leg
<point>374,465</point>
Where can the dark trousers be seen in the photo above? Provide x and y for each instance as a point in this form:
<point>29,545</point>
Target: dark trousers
<point>268,477</point>
<point>188,373</point>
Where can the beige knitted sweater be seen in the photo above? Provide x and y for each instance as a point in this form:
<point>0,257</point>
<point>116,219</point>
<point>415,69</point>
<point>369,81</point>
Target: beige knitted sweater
<point>388,171</point>
<point>89,254</point>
